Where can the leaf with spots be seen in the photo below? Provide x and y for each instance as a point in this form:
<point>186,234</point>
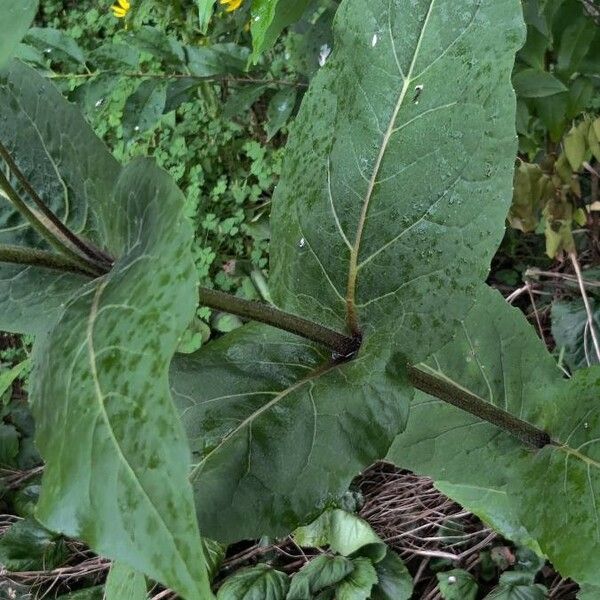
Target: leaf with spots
<point>398,177</point>
<point>546,499</point>
<point>70,169</point>
<point>116,457</point>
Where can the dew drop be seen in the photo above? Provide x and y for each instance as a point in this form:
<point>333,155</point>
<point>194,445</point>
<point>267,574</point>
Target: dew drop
<point>374,40</point>
<point>302,243</point>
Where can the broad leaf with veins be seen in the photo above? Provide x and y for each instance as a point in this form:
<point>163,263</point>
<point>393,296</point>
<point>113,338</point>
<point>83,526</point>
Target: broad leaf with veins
<point>117,475</point>
<point>278,430</point>
<point>16,19</point>
<point>397,177</point>
<point>548,498</point>
<point>393,198</point>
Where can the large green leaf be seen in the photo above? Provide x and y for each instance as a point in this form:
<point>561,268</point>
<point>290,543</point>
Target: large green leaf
<point>277,428</point>
<point>116,456</point>
<point>16,18</point>
<point>398,177</point>
<point>547,497</point>
<point>71,170</point>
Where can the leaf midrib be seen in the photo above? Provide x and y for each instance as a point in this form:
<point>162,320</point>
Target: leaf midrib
<point>351,314</point>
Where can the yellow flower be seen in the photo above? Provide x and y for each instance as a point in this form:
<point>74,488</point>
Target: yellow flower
<point>231,4</point>
<point>120,8</point>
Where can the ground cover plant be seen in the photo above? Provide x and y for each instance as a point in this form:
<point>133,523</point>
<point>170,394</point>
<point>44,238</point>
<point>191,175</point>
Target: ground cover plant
<point>378,337</point>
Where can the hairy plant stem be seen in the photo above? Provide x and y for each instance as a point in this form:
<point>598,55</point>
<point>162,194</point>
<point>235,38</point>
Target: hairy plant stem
<point>38,258</point>
<point>95,255</point>
<point>469,402</point>
<point>45,232</point>
<point>343,345</point>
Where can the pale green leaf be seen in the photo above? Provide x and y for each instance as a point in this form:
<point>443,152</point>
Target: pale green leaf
<point>344,533</point>
<point>205,12</point>
<point>16,19</point>
<point>277,428</point>
<point>124,583</point>
<point>378,220</point>
<point>514,586</point>
<point>255,583</point>
<point>125,490</point>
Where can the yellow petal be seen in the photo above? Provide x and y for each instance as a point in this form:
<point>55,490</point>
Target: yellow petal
<point>125,4</point>
<point>119,12</point>
<point>233,5</point>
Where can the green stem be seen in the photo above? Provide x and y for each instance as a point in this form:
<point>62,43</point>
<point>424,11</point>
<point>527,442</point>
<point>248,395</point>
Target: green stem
<point>95,255</point>
<point>43,230</point>
<point>342,345</point>
<point>469,402</point>
<point>38,258</point>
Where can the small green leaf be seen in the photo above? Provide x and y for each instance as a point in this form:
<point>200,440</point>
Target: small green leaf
<point>457,585</point>
<point>320,573</point>
<point>144,107</point>
<point>279,110</point>
<point>255,583</point>
<point>241,99</point>
<point>205,12</point>
<point>394,582</point>
<point>16,19</point>
<point>576,147</point>
<point>358,584</point>
<point>55,44</point>
<point>533,83</point>
<point>27,546</point>
<point>124,583</point>
<point>8,377</point>
<point>575,42</point>
<point>515,586</point>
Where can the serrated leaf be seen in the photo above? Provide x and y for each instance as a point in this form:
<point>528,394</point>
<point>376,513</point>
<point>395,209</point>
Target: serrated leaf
<point>320,573</point>
<point>513,586</point>
<point>265,411</point>
<point>124,583</point>
<point>56,44</point>
<point>533,83</point>
<point>381,116</point>
<point>16,19</point>
<point>279,110</point>
<point>125,492</point>
<point>255,583</point>
<point>144,107</point>
<point>507,365</point>
<point>344,532</point>
<point>457,585</point>
<point>71,183</point>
